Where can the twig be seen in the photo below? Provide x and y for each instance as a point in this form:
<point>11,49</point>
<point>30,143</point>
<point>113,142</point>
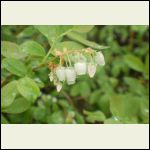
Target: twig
<point>37,67</point>
<point>44,59</point>
<point>70,100</point>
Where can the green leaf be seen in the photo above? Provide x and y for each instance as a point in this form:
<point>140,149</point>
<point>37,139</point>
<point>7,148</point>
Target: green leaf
<point>27,32</point>
<point>83,28</point>
<point>104,103</point>
<point>75,90</point>
<point>75,36</point>
<point>56,118</point>
<point>54,32</point>
<point>3,120</point>
<point>94,116</point>
<point>124,107</point>
<point>144,109</point>
<point>7,37</point>
<point>146,67</point>
<point>64,104</point>
<point>21,118</point>
<point>8,94</point>
<point>70,45</point>
<point>39,113</point>
<point>43,29</point>
<point>112,120</point>
<point>85,89</point>
<point>81,88</point>
<point>79,118</point>
<point>94,97</point>
<point>33,48</point>
<point>69,118</point>
<point>39,82</point>
<point>28,89</point>
<point>135,86</point>
<point>19,105</point>
<point>11,50</point>
<point>14,66</point>
<point>134,62</point>
<point>139,28</point>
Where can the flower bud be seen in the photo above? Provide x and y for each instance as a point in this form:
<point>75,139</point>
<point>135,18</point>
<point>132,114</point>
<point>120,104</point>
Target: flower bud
<point>80,68</point>
<point>51,76</point>
<point>70,75</point>
<point>99,58</point>
<point>60,72</point>
<point>59,86</point>
<point>91,69</point>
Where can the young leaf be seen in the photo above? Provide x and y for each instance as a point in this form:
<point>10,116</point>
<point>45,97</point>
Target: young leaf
<point>19,105</point>
<point>8,94</point>
<point>134,62</point>
<point>11,50</point>
<point>33,48</point>
<point>28,89</point>
<point>14,66</point>
<point>75,36</point>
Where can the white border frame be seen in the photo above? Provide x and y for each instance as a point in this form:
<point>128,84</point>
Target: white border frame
<point>75,12</point>
<point>86,136</point>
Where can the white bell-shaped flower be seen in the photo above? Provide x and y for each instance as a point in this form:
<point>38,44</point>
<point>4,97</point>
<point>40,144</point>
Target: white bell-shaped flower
<point>70,75</point>
<point>60,73</point>
<point>51,76</point>
<point>99,58</point>
<point>80,68</point>
<point>59,86</point>
<point>91,69</point>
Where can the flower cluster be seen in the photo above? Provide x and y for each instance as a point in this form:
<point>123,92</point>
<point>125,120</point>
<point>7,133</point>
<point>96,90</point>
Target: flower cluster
<point>74,63</point>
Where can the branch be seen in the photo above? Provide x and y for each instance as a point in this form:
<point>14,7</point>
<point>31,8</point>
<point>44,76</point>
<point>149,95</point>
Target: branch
<point>70,100</point>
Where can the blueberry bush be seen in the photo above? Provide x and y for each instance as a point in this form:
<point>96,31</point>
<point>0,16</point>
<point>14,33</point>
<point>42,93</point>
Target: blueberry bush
<point>74,74</point>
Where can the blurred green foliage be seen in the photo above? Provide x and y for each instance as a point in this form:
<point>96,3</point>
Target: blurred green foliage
<point>119,92</point>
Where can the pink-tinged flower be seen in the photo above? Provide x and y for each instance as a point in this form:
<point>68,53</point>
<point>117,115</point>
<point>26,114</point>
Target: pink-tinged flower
<point>91,69</point>
<point>70,75</point>
<point>60,73</point>
<point>99,58</point>
<point>80,68</point>
<point>59,86</point>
